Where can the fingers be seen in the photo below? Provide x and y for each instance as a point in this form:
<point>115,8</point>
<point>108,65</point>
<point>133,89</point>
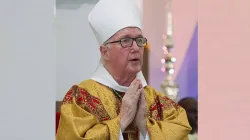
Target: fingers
<point>142,94</point>
<point>138,93</point>
<point>142,97</point>
<point>134,81</point>
<point>140,86</point>
<point>141,112</point>
<point>139,81</point>
<point>134,86</point>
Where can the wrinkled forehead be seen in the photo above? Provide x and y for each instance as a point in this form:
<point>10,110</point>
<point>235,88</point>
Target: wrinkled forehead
<point>127,32</point>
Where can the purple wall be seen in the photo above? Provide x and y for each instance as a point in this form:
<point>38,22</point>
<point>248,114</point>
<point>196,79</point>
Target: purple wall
<point>187,77</point>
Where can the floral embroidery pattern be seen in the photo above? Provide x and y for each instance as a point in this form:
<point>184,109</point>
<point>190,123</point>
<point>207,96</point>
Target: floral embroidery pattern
<point>85,100</point>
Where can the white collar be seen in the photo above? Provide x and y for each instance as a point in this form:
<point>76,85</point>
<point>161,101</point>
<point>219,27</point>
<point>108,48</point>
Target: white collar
<point>102,76</point>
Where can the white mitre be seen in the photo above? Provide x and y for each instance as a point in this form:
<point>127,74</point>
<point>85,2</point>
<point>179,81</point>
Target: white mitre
<point>109,16</point>
<point>106,18</point>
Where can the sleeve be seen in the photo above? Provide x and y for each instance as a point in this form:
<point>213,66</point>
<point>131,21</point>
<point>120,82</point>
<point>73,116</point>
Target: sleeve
<point>120,135</point>
<point>77,123</point>
<point>142,137</point>
<point>167,120</point>
<point>147,137</point>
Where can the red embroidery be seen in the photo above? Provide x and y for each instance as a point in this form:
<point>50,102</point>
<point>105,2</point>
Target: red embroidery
<point>96,101</point>
<point>154,107</point>
<point>170,102</point>
<point>84,99</point>
<point>68,97</point>
<point>159,105</point>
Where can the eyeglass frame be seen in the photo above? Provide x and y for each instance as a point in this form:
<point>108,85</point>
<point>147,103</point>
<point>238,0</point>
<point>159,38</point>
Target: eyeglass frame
<point>134,39</point>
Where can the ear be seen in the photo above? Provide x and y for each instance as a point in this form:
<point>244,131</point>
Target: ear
<point>104,52</point>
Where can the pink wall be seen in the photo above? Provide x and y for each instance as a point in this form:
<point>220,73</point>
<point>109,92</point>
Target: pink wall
<point>154,24</point>
<point>224,46</point>
<point>224,96</point>
<point>184,21</point>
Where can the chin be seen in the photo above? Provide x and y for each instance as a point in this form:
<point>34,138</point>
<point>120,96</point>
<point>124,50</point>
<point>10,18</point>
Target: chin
<point>135,69</point>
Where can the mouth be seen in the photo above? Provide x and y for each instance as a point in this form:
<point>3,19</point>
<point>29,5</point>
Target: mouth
<point>134,60</point>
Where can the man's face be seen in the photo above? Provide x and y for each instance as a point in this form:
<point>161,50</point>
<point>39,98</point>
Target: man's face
<point>127,60</point>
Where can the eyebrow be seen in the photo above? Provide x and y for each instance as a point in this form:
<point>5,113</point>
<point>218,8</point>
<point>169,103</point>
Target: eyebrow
<point>128,36</point>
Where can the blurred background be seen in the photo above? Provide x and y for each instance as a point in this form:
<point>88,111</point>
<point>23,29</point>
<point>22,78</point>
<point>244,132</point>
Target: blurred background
<point>78,51</point>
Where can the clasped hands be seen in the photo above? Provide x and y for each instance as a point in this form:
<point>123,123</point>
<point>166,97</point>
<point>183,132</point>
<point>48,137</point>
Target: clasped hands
<point>133,107</point>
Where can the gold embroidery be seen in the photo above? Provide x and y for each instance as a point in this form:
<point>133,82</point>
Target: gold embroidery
<point>104,94</point>
<point>86,101</point>
<point>165,120</point>
<point>90,110</point>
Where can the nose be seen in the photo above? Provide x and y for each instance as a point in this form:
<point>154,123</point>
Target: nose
<point>134,47</point>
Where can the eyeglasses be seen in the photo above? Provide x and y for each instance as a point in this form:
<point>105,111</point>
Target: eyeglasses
<point>128,42</point>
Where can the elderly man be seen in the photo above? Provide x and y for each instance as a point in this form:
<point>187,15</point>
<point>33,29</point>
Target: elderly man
<point>116,103</point>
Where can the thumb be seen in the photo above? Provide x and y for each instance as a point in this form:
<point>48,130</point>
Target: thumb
<point>142,97</point>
